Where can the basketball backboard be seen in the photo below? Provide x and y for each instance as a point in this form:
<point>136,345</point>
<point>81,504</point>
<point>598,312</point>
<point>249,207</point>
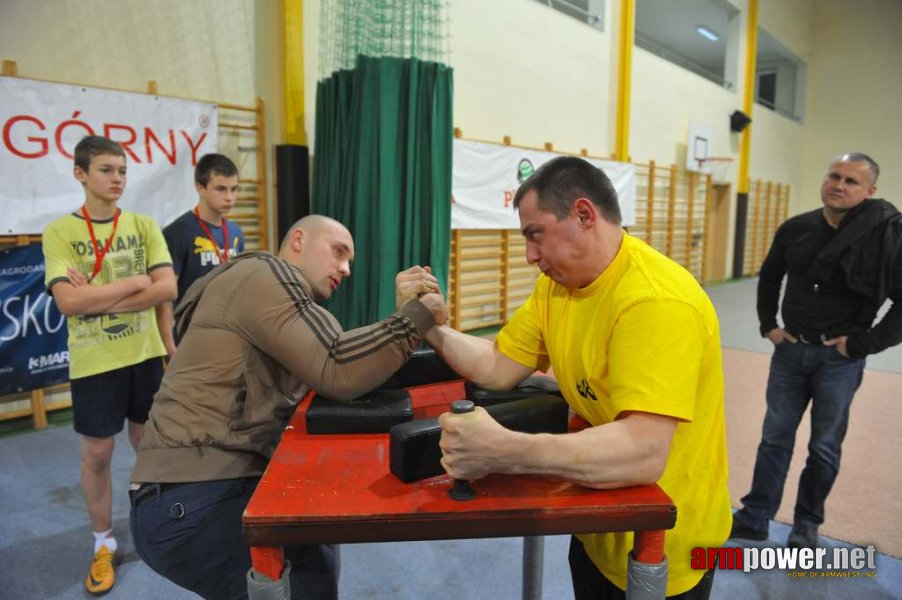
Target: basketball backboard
<point>700,145</point>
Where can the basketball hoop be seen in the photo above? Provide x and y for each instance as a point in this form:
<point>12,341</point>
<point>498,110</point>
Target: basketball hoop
<point>717,166</point>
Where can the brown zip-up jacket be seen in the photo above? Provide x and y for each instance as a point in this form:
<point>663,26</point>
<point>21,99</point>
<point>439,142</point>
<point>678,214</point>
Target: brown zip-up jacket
<point>257,343</point>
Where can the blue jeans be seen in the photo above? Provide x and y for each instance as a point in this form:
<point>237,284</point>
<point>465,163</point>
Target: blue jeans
<point>191,534</point>
<point>799,373</point>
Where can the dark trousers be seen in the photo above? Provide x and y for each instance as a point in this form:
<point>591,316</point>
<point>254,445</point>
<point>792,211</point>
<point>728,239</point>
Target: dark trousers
<point>590,584</point>
<point>191,534</point>
<point>800,373</point>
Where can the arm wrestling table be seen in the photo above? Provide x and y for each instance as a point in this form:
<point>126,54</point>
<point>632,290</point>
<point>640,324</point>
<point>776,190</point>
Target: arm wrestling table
<point>336,489</point>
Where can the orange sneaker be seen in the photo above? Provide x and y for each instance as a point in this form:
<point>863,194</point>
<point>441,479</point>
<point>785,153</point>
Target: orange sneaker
<point>102,575</point>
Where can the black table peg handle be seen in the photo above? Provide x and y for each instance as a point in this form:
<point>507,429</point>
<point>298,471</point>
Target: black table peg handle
<point>462,489</point>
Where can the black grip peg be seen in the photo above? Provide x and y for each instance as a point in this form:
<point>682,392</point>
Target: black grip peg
<point>462,489</point>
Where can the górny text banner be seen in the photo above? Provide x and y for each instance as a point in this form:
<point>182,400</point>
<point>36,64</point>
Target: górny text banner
<point>41,122</point>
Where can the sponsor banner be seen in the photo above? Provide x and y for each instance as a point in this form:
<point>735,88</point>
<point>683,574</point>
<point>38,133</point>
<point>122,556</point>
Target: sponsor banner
<point>32,331</point>
<point>486,177</point>
<point>837,562</point>
<point>41,122</point>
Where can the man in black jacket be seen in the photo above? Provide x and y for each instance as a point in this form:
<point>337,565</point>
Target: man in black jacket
<point>841,263</point>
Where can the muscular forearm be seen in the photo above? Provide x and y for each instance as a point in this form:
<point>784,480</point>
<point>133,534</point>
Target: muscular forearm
<point>603,457</point>
<point>473,358</point>
<point>629,451</point>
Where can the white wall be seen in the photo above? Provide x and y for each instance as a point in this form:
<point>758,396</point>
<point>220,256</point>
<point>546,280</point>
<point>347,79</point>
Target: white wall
<point>213,50</point>
<point>777,148</point>
<point>665,99</point>
<point>777,141</point>
<point>790,21</point>
<point>203,49</point>
<point>525,70</point>
<point>855,92</point>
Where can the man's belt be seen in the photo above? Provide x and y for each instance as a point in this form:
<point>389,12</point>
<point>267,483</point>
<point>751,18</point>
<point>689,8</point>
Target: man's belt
<point>812,337</point>
<point>147,490</point>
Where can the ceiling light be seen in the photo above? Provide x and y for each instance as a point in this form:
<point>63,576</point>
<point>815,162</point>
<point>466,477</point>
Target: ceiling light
<point>707,33</point>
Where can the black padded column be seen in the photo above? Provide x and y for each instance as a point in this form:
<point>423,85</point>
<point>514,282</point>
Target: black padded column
<point>292,186</point>
<point>742,209</point>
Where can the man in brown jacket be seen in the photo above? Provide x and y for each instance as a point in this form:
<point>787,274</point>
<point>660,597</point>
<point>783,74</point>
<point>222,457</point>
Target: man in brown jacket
<point>253,343</point>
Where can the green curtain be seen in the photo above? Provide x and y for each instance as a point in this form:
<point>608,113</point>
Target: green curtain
<point>383,168</point>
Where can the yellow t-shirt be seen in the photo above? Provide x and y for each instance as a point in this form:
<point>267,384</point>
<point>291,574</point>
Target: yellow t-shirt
<point>101,343</point>
<point>642,337</point>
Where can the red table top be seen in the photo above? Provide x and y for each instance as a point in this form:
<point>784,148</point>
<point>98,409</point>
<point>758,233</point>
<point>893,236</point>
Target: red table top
<point>339,489</point>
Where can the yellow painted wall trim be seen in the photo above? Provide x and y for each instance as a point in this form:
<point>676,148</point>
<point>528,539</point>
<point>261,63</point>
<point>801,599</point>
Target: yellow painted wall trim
<point>295,131</point>
<point>748,102</point>
<point>624,80</point>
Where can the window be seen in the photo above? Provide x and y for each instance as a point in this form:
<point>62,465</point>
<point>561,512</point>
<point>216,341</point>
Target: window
<point>767,88</point>
<point>779,77</point>
<point>590,12</point>
<point>697,35</point>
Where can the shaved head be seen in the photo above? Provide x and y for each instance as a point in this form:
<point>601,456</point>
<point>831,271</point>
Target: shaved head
<point>322,248</point>
<point>313,225</point>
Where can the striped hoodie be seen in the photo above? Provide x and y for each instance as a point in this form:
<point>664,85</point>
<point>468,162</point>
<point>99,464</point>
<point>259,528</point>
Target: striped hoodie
<point>252,344</point>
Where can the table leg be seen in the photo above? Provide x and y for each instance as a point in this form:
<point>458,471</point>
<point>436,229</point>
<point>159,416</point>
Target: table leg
<point>336,556</point>
<point>533,566</point>
<point>268,577</point>
<point>648,546</point>
<point>646,577</point>
<point>268,560</point>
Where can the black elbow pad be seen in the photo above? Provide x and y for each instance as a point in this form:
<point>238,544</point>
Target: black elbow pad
<point>414,451</point>
<point>375,412</point>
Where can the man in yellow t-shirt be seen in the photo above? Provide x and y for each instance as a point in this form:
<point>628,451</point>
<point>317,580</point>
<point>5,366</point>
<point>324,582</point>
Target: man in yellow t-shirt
<point>634,343</point>
<point>107,270</point>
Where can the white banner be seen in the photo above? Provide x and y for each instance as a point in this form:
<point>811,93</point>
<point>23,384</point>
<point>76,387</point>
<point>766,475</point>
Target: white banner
<point>486,177</point>
<point>42,122</point>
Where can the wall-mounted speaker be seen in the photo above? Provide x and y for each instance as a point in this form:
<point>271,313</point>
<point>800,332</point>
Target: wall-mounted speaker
<point>292,186</point>
<point>739,120</point>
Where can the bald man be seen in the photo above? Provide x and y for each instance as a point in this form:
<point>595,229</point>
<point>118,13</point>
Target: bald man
<point>253,343</point>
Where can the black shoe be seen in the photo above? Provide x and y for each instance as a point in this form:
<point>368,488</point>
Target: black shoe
<point>743,530</point>
<point>802,536</point>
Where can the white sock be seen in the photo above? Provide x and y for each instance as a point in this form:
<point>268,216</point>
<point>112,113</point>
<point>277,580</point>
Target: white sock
<point>105,538</point>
